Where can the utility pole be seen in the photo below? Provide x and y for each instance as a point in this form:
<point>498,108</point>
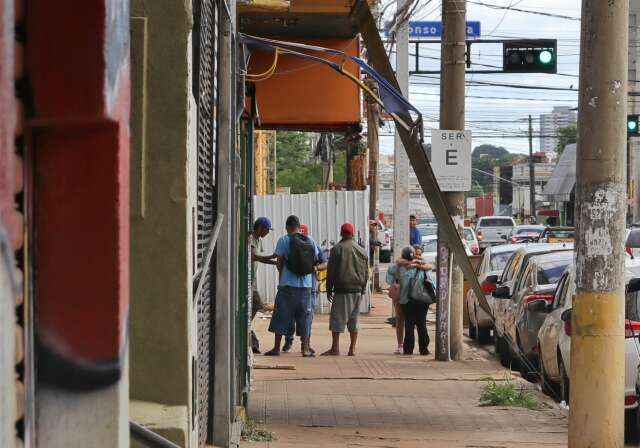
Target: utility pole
<point>452,105</point>
<point>596,416</point>
<point>374,153</point>
<point>401,161</point>
<point>532,173</point>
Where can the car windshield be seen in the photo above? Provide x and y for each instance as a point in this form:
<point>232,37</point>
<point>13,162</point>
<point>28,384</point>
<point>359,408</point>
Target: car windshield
<point>527,230</point>
<point>428,230</point>
<point>430,246</point>
<point>561,233</point>
<point>495,222</point>
<point>550,272</point>
<point>468,235</point>
<point>499,260</point>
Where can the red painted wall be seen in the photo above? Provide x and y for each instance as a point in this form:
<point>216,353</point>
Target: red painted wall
<point>78,64</point>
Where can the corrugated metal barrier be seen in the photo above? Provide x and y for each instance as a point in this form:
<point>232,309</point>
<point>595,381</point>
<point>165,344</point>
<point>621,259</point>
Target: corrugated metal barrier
<point>323,213</point>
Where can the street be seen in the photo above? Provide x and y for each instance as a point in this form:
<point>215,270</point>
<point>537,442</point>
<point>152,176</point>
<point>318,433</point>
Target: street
<point>378,399</point>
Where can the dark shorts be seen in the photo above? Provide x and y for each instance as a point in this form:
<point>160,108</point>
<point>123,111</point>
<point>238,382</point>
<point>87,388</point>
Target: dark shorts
<point>292,306</point>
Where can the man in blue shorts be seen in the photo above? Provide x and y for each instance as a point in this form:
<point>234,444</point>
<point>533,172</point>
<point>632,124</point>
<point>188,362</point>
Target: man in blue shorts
<point>296,258</point>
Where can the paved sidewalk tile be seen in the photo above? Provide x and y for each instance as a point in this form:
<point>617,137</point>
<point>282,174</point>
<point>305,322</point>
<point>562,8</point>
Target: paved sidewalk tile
<point>378,399</point>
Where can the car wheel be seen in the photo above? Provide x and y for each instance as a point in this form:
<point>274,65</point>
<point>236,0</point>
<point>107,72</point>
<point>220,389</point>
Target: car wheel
<point>564,381</point>
<point>484,335</point>
<point>528,370</point>
<point>631,430</point>
<point>472,328</point>
<point>502,350</point>
<point>548,387</point>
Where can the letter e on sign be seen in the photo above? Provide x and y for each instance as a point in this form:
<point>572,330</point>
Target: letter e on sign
<point>451,159</point>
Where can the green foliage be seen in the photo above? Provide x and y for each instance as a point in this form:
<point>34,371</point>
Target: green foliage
<point>297,169</point>
<point>485,158</point>
<point>507,393</point>
<point>566,136</point>
<point>251,433</point>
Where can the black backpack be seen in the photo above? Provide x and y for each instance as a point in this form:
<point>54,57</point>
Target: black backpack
<point>302,255</point>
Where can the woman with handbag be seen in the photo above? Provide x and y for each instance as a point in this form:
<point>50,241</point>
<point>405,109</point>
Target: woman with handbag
<point>408,275</point>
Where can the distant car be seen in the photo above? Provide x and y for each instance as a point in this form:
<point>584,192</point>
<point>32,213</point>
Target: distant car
<point>427,229</point>
<point>385,236</point>
<point>472,241</point>
<point>526,234</point>
<point>558,235</point>
<point>494,259</point>
<point>430,248</point>
<point>492,230</point>
<point>554,344</point>
<point>506,286</point>
<point>529,303</point>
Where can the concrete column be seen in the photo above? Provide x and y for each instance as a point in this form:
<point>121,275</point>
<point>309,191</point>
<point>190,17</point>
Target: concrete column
<point>163,161</point>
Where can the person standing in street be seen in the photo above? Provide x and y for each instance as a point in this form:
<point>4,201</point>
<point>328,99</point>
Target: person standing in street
<point>261,228</point>
<point>296,260</point>
<point>415,237</point>
<point>347,276</point>
<point>320,266</point>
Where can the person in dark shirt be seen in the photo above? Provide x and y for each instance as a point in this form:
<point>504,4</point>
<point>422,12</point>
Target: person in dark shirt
<point>415,237</point>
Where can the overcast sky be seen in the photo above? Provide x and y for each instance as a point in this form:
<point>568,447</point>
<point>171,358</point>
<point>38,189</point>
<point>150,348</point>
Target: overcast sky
<point>493,111</point>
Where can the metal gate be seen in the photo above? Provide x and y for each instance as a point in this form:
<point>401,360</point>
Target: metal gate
<point>205,78</point>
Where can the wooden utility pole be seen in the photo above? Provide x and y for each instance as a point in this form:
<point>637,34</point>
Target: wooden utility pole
<point>373,112</point>
<point>452,99</point>
<point>532,173</point>
<point>596,416</point>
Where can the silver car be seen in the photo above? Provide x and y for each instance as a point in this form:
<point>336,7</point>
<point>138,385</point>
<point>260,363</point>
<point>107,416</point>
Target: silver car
<point>554,343</point>
<point>494,259</point>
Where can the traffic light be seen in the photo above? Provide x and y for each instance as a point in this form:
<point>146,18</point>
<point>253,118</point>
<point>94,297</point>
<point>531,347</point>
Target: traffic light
<point>633,125</point>
<point>530,56</point>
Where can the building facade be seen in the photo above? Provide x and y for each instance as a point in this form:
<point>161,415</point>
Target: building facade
<point>551,123</point>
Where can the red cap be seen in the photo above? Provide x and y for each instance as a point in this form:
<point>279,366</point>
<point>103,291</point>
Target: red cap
<point>304,229</point>
<point>347,229</point>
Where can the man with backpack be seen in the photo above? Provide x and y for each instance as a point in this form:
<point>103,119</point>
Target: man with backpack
<point>347,276</point>
<point>296,260</point>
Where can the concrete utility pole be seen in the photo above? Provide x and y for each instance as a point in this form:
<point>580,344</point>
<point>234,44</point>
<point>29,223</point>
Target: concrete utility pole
<point>596,417</point>
<point>373,112</point>
<point>401,161</point>
<point>532,173</point>
<point>452,99</point>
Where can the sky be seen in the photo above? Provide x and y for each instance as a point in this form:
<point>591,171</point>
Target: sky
<point>496,114</point>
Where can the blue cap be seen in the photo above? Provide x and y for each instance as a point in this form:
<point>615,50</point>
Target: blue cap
<point>264,222</point>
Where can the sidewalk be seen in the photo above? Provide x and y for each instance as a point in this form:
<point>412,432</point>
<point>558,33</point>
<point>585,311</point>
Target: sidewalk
<point>378,399</point>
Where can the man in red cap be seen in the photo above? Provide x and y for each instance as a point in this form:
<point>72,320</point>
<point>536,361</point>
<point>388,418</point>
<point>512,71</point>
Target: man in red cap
<point>347,276</point>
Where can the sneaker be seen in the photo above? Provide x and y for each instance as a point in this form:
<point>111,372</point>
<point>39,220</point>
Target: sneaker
<point>287,346</point>
<point>399,350</point>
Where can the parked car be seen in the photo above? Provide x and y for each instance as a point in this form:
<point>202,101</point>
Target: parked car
<point>632,242</point>
<point>554,342</point>
<point>558,235</point>
<point>529,303</point>
<point>492,230</point>
<point>427,229</point>
<point>430,248</point>
<point>494,259</point>
<point>385,235</point>
<point>472,240</point>
<point>526,234</point>
<point>506,286</point>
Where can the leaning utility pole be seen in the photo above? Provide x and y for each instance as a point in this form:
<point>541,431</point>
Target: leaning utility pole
<point>452,98</point>
<point>532,173</point>
<point>596,416</point>
<point>401,161</point>
<point>373,119</point>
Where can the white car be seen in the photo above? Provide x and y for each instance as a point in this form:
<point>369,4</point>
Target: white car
<point>472,240</point>
<point>554,342</point>
<point>385,236</point>
<point>430,248</point>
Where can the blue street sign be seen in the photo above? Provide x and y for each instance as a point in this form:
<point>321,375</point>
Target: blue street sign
<point>434,29</point>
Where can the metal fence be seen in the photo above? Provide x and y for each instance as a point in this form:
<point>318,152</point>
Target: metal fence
<point>323,213</point>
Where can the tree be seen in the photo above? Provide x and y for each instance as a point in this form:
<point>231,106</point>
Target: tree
<point>484,159</point>
<point>297,169</point>
<point>566,136</point>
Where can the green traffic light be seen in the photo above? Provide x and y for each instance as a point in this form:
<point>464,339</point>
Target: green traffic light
<point>545,56</point>
<point>632,125</point>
